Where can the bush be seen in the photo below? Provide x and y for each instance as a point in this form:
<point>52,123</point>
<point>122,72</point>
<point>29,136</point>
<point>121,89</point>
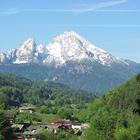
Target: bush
<point>123,134</point>
<point>138,77</point>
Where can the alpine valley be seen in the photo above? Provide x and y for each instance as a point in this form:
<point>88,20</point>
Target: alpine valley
<point>69,59</point>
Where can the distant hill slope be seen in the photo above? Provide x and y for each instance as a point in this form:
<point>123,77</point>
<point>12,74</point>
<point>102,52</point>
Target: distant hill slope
<point>19,90</point>
<point>93,77</point>
<point>14,80</point>
<point>115,115</point>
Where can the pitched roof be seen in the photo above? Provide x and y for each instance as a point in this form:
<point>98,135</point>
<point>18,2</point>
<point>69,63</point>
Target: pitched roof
<point>62,122</point>
<point>76,123</point>
<point>34,127</point>
<point>19,126</point>
<point>52,127</point>
<point>27,107</point>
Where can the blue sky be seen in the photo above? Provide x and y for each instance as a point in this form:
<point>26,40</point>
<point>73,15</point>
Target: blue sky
<point>113,25</point>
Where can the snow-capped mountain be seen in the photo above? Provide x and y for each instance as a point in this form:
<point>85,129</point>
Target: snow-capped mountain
<point>28,52</point>
<point>25,53</point>
<point>69,46</point>
<point>69,59</point>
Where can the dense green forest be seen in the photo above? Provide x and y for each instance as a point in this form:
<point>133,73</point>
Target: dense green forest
<point>115,115</point>
<point>50,100</point>
<point>18,90</point>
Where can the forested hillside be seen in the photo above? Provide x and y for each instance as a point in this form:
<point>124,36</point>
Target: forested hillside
<point>116,115</point>
<point>20,90</point>
<point>92,77</point>
<point>113,116</point>
<point>50,101</point>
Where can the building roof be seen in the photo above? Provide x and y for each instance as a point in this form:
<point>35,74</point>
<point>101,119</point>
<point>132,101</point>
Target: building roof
<point>56,125</point>
<point>17,126</point>
<point>53,126</point>
<point>62,122</point>
<point>77,123</point>
<point>29,133</point>
<point>32,130</point>
<point>33,127</point>
<point>9,115</point>
<point>27,108</point>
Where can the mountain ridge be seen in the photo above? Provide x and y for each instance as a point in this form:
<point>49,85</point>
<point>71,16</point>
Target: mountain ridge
<point>68,46</point>
<point>69,59</point>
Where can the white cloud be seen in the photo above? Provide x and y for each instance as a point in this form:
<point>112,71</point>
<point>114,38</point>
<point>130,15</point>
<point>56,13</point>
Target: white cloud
<point>120,10</point>
<point>101,5</point>
<point>9,12</point>
<point>94,7</point>
<point>87,25</point>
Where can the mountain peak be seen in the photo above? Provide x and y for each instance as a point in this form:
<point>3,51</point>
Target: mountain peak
<point>69,46</point>
<point>70,35</point>
<point>29,43</point>
<point>30,40</point>
<point>25,53</point>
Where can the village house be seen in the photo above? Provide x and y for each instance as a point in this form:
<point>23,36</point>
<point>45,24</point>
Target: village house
<point>54,125</point>
<point>29,135</point>
<point>62,122</point>
<point>27,109</point>
<point>77,127</point>
<point>10,116</point>
<point>18,130</point>
<point>28,132</point>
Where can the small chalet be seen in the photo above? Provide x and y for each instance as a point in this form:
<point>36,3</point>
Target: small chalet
<point>31,131</point>
<point>53,127</point>
<point>27,109</point>
<point>10,116</point>
<point>61,124</point>
<point>18,130</point>
<point>76,126</point>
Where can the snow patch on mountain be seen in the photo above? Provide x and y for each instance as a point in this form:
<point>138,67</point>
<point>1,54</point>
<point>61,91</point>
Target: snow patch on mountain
<point>26,52</point>
<point>69,46</point>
